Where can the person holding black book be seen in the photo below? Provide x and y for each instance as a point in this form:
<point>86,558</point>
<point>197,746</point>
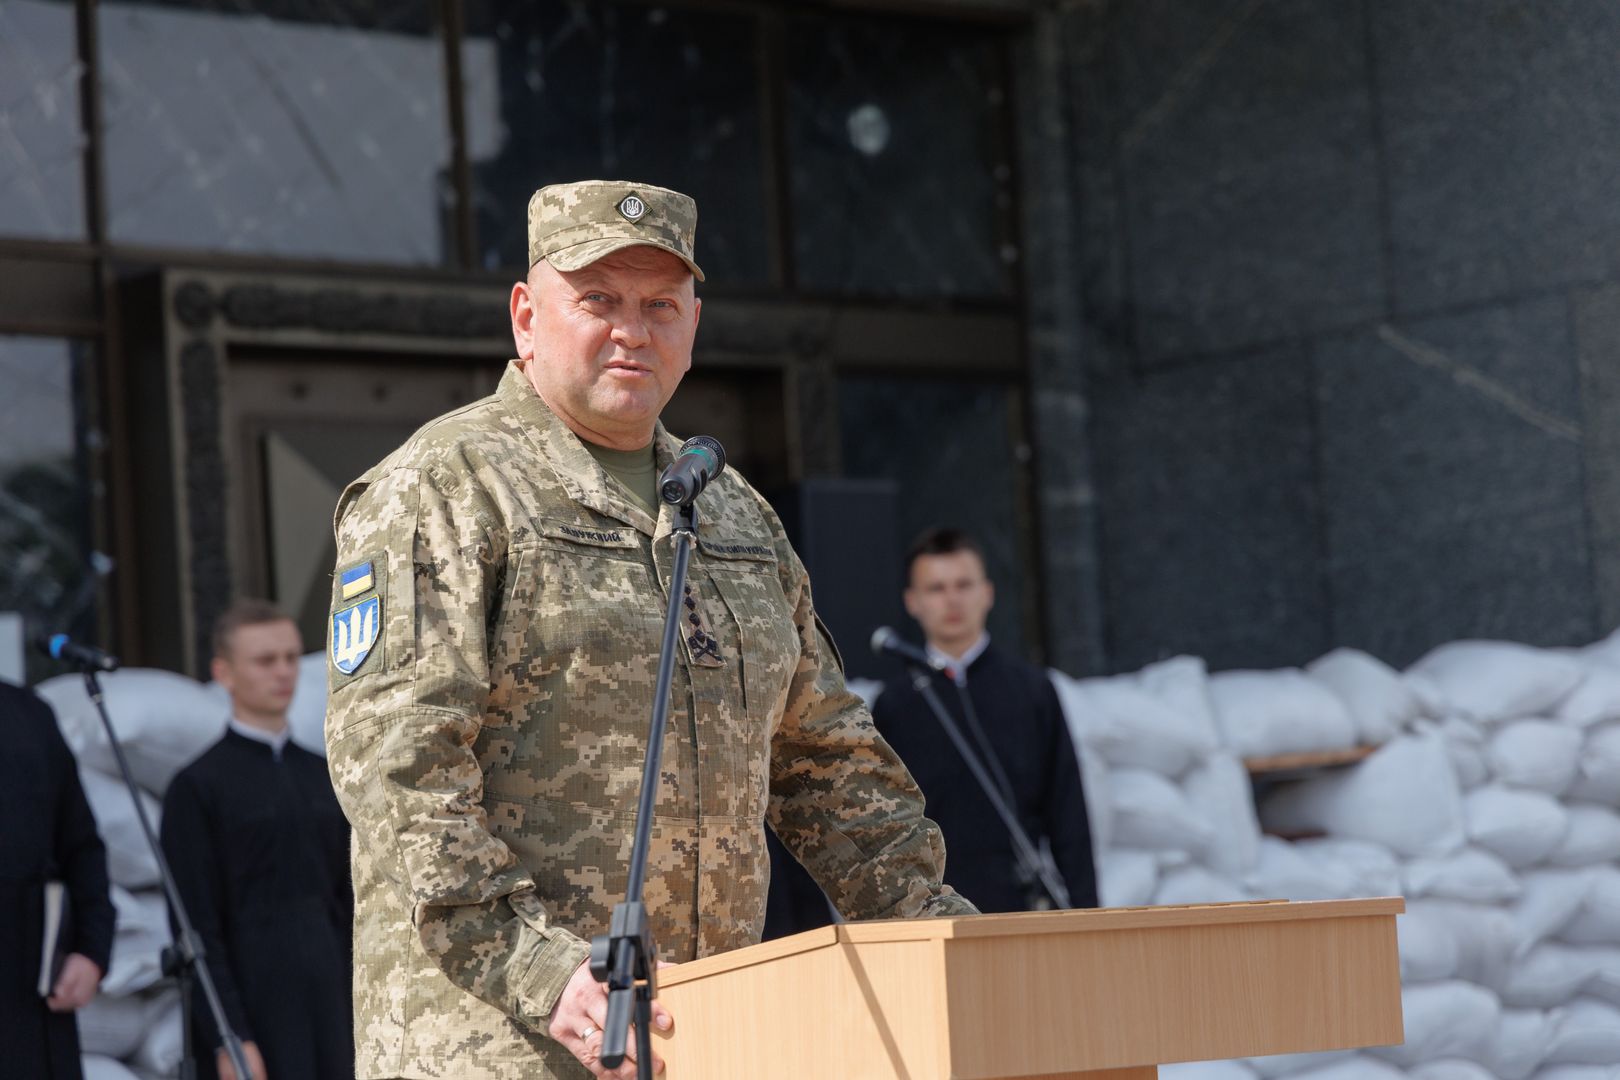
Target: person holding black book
<point>50,846</point>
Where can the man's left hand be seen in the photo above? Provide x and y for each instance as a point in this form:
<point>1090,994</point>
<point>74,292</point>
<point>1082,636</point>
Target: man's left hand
<point>76,985</point>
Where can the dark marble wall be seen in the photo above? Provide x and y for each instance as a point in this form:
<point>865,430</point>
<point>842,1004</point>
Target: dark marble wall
<point>1350,322</point>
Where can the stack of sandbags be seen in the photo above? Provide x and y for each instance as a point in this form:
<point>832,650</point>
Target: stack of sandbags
<point>1171,812</point>
<point>1171,803</point>
<point>1498,806</point>
<point>163,721</point>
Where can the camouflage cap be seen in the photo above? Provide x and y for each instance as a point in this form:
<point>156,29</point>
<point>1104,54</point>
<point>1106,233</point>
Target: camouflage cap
<point>573,225</point>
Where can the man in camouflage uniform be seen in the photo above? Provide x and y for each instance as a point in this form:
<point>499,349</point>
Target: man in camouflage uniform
<point>497,613</point>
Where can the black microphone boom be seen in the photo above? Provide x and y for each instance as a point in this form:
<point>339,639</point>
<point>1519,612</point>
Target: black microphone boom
<point>84,657</point>
<point>886,641</point>
<point>701,459</point>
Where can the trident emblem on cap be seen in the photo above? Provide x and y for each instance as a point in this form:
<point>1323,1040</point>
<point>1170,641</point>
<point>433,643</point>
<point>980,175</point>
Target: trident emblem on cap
<point>632,208</point>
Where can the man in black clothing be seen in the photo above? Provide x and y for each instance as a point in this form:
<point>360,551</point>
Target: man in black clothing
<point>50,836</point>
<point>260,851</point>
<point>1020,735</point>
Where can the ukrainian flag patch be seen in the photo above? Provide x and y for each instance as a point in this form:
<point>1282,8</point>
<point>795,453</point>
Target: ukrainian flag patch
<point>356,581</point>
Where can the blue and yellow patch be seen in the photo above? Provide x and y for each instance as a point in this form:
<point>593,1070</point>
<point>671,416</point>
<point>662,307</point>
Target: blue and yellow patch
<point>354,631</point>
<point>352,583</point>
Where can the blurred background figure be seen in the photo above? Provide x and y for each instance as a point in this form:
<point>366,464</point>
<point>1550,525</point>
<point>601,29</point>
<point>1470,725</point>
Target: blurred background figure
<point>49,836</point>
<point>1015,726</point>
<point>260,851</point>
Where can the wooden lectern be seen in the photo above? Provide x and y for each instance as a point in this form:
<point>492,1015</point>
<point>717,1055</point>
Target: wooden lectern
<point>1102,995</point>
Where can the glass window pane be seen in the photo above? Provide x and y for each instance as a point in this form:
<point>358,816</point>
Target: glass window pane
<point>572,91</point>
<point>44,494</point>
<point>948,445</point>
<point>898,172</point>
<point>278,127</point>
<point>41,167</point>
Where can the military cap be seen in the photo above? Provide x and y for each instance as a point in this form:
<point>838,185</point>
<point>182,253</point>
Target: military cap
<point>573,225</point>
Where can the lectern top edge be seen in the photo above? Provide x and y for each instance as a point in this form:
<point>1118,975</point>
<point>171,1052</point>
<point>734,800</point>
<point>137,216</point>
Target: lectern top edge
<point>1103,919</point>
<point>1040,922</point>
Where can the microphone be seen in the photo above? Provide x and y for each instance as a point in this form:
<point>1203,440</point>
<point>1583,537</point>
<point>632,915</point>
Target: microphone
<point>701,459</point>
<point>886,641</point>
<point>62,647</point>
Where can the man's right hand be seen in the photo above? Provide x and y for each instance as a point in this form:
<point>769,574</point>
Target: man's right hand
<point>577,1022</point>
<point>222,1062</point>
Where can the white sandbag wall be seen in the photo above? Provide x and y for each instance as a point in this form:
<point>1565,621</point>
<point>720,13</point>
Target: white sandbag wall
<point>1493,805</point>
<point>163,721</point>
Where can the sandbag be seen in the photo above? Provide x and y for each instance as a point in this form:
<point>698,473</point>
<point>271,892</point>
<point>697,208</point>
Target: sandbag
<point>1520,827</point>
<point>1493,681</point>
<point>1471,874</point>
<point>1151,813</point>
<point>1284,873</point>
<point>1597,921</point>
<point>138,943</point>
<point>1451,1069</point>
<point>1098,789</point>
<point>1404,797</point>
<point>1548,900</point>
<point>1445,1019</point>
<point>130,861</point>
<point>1465,747</point>
<point>1372,869</point>
<point>1265,713</point>
<point>1196,885</point>
<point>1587,1033</point>
<point>1374,694</point>
<point>1595,701</point>
<point>1279,1065</point>
<point>1346,1066</point>
<point>1605,981</point>
<point>1593,837</point>
<point>1536,754</point>
<point>1158,719</point>
<point>1428,948</point>
<point>163,721</point>
<point>163,1044</point>
<point>1222,795</point>
<point>1444,939</point>
<point>1523,1039</point>
<point>1548,975</point>
<point>1599,771</point>
<point>113,1025</point>
<point>1207,1070</point>
<point>101,1067</point>
<point>1578,1072</point>
<point>1126,878</point>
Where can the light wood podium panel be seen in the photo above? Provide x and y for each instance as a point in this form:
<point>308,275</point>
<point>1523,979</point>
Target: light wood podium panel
<point>1102,995</point>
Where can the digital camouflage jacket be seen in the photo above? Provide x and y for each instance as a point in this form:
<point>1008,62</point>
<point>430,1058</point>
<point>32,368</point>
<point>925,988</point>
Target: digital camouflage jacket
<point>497,612</point>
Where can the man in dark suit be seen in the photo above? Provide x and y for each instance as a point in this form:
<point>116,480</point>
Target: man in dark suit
<point>260,852</point>
<point>1016,727</point>
<point>50,835</point>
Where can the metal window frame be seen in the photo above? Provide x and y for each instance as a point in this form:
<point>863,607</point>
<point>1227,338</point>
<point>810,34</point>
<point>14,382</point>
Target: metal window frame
<point>72,289</point>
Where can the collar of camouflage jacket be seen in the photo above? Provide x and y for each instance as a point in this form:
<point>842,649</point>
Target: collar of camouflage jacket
<point>586,482</point>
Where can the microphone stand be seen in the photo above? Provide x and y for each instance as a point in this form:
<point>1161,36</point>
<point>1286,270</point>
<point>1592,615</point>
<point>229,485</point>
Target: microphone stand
<point>1037,871</point>
<point>625,957</point>
<point>180,959</point>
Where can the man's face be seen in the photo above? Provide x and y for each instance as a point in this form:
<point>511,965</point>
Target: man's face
<point>606,346</point>
<point>261,668</point>
<point>950,597</point>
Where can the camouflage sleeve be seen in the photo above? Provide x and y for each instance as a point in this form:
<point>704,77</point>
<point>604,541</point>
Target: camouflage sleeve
<point>841,800</point>
<point>400,729</point>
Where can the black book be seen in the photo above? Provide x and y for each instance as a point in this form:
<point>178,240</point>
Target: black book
<point>53,951</point>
